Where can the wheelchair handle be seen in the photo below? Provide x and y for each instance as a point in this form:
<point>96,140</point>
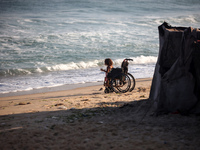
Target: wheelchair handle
<point>128,59</point>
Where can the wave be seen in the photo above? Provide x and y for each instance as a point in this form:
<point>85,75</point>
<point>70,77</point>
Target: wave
<point>181,20</point>
<point>73,65</point>
<point>140,60</point>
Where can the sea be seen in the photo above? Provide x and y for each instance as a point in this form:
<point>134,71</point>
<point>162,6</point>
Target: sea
<point>51,43</point>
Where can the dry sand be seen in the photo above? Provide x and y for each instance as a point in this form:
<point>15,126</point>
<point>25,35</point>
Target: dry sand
<point>88,119</point>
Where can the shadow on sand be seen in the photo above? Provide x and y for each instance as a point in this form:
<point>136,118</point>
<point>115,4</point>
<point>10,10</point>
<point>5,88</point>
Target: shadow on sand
<point>105,127</point>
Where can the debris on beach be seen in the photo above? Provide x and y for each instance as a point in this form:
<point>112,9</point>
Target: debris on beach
<point>24,103</point>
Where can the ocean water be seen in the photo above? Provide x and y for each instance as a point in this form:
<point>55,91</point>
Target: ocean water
<point>48,43</point>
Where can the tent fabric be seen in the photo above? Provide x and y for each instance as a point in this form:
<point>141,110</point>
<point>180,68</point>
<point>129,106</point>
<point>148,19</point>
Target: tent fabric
<point>176,81</point>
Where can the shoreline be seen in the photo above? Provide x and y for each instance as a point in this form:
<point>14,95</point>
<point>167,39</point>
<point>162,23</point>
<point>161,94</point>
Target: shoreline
<point>50,89</point>
<point>66,87</point>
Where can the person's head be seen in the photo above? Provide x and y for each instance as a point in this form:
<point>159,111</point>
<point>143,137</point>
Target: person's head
<point>108,62</point>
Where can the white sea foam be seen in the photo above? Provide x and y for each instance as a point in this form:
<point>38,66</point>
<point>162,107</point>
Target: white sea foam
<point>144,60</point>
<point>73,65</point>
<point>23,71</point>
<point>181,20</point>
<point>28,20</point>
<point>140,60</point>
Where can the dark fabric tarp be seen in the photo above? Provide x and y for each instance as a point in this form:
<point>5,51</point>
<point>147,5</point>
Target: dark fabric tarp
<point>176,81</point>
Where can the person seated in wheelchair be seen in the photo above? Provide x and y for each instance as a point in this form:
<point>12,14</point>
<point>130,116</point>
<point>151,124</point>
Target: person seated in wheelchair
<point>111,73</point>
<point>109,63</point>
<point>117,72</point>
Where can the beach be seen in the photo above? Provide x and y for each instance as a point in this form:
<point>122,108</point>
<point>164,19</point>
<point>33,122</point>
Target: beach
<point>51,87</point>
<point>87,118</point>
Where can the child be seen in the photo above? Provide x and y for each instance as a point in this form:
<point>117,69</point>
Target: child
<point>109,64</point>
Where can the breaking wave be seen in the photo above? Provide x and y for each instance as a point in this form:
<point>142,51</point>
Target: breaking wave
<point>140,60</point>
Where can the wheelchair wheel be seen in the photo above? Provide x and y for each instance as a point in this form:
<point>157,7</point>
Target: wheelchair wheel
<point>121,84</point>
<point>132,82</point>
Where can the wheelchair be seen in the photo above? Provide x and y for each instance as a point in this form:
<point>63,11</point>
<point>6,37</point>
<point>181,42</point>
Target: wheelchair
<point>119,80</point>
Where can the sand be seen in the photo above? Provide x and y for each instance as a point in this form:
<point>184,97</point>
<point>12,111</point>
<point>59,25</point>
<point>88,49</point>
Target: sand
<point>88,119</point>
